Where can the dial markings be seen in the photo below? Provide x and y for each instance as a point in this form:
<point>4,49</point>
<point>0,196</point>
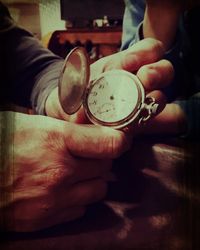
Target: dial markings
<point>112,98</point>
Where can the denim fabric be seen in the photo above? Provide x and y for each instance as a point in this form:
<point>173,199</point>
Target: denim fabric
<point>184,55</point>
<point>28,71</point>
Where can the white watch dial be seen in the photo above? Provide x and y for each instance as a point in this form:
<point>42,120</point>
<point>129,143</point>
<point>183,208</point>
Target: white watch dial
<point>113,97</point>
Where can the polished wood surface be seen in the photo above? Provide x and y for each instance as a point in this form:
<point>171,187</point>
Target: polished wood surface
<point>152,203</point>
<point>109,35</point>
<point>104,41</point>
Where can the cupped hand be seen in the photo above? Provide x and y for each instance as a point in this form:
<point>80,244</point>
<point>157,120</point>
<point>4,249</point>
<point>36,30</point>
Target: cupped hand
<point>53,169</point>
<point>143,59</point>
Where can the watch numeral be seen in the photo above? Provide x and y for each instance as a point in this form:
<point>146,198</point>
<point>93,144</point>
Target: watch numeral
<point>101,86</point>
<point>93,103</point>
<point>94,93</point>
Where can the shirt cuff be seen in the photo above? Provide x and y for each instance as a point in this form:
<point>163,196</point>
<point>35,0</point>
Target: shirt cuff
<point>45,83</point>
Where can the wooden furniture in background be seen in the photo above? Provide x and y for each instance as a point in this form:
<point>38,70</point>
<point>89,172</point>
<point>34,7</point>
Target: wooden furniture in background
<point>99,42</point>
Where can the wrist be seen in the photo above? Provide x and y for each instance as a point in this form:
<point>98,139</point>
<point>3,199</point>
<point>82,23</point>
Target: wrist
<point>164,30</point>
<point>51,107</point>
<point>172,5</point>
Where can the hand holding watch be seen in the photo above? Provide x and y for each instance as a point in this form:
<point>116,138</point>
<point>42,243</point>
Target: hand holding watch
<point>116,98</point>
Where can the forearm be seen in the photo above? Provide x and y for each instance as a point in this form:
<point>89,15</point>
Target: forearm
<point>133,16</point>
<point>44,85</point>
<point>161,22</point>
<point>27,68</point>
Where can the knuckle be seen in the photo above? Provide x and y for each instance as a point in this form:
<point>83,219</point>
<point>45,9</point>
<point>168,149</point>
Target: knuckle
<point>169,67</point>
<point>118,145</point>
<point>54,176</point>
<point>156,75</point>
<point>152,76</point>
<point>157,49</point>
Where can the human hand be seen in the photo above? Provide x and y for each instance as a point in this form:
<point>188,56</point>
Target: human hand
<point>161,19</point>
<point>170,118</point>
<point>168,13</point>
<point>171,4</point>
<point>171,121</point>
<point>53,169</point>
<point>143,59</point>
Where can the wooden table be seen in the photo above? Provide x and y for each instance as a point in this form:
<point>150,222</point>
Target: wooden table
<point>153,204</point>
<point>105,41</point>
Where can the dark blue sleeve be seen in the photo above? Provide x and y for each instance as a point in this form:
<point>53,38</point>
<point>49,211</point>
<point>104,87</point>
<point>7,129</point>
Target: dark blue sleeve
<point>28,71</point>
<point>26,63</point>
<point>133,16</point>
<point>132,33</point>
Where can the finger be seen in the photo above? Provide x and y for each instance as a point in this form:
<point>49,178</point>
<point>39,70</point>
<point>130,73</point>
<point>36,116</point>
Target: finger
<point>45,211</point>
<point>66,215</point>
<point>144,52</point>
<point>90,169</point>
<point>70,204</point>
<point>156,75</point>
<point>171,120</point>
<point>51,219</point>
<point>53,108</point>
<point>160,99</point>
<point>83,169</point>
<point>86,192</point>
<point>79,194</point>
<point>96,142</point>
<point>82,193</point>
<point>79,117</point>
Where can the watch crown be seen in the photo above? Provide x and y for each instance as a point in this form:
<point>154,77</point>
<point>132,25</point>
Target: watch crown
<point>148,110</point>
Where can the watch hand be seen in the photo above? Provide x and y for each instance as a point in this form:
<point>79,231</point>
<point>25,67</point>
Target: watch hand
<point>102,112</point>
<point>112,97</point>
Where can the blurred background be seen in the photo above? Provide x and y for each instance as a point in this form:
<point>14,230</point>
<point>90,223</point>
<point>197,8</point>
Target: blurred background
<point>64,24</point>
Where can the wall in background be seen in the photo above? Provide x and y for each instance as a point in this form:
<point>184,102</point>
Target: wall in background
<point>50,17</point>
<point>26,14</point>
<point>38,16</point>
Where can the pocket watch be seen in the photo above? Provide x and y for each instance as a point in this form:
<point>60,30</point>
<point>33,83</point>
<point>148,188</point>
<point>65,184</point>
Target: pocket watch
<point>115,98</point>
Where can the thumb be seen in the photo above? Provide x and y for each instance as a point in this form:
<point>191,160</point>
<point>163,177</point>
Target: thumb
<point>96,142</point>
